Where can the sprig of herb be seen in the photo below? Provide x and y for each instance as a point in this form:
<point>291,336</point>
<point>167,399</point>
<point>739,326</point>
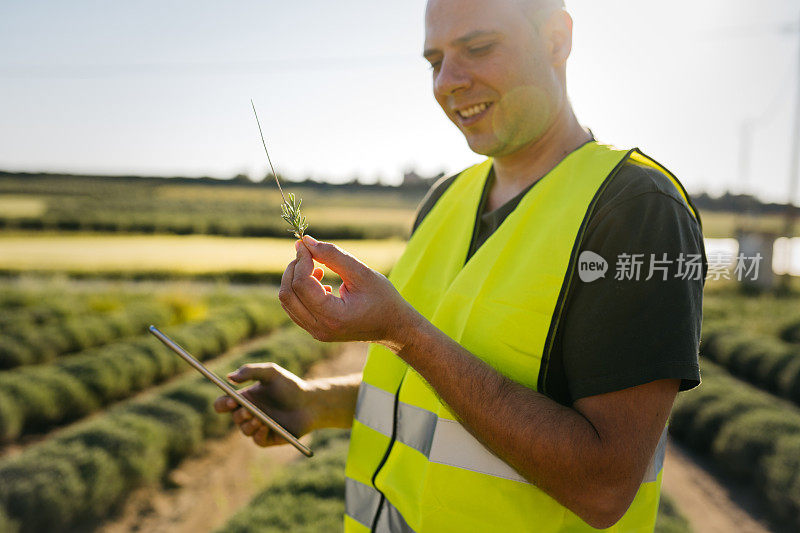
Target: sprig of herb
<point>290,208</point>
<point>291,214</point>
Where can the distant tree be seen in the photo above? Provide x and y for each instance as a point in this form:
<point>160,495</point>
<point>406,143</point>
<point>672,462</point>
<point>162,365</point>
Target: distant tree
<point>270,177</point>
<point>242,178</point>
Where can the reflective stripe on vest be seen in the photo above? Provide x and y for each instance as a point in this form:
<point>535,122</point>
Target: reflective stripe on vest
<point>411,466</point>
<point>362,504</point>
<point>447,442</point>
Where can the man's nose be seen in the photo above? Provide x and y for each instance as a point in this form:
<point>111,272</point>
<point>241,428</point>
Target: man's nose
<point>451,77</point>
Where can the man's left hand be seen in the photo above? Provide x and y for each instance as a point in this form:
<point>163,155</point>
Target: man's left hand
<point>368,307</point>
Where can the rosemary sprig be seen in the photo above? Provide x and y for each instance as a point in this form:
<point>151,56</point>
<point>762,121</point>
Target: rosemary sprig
<point>291,207</point>
<point>291,214</point>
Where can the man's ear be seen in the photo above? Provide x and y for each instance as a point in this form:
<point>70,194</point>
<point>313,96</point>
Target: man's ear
<point>557,32</point>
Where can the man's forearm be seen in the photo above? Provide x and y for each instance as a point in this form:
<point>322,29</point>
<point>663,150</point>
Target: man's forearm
<point>334,400</point>
<point>553,446</point>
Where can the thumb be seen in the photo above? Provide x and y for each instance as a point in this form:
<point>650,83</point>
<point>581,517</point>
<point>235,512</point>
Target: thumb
<point>253,371</point>
<point>345,265</point>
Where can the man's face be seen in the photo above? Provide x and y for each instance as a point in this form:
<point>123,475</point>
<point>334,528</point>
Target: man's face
<point>492,74</point>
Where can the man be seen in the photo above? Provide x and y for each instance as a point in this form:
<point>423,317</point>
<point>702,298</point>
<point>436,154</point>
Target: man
<point>502,392</point>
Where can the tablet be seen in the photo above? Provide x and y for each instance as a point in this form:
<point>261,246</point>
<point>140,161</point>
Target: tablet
<point>230,391</point>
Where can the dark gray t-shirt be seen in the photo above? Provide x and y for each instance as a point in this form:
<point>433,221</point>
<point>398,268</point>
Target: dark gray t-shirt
<point>619,333</point>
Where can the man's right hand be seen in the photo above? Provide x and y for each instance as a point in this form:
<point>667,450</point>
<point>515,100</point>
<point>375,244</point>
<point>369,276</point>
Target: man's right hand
<point>283,396</point>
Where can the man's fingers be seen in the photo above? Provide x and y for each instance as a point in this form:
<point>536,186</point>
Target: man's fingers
<point>224,404</point>
<point>241,415</point>
<point>318,273</point>
<point>291,303</point>
<point>345,265</point>
<point>261,436</point>
<point>291,315</point>
<point>250,427</point>
<point>328,289</point>
<point>307,287</point>
<point>262,372</point>
<point>266,437</point>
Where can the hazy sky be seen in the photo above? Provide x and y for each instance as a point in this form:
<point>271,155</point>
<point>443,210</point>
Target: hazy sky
<point>163,88</point>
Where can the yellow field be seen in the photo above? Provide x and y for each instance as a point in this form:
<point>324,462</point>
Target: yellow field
<point>269,196</point>
<point>722,225</point>
<point>362,215</point>
<point>184,254</point>
<point>15,206</point>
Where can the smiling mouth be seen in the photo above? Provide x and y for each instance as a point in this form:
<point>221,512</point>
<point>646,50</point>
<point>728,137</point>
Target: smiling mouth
<point>473,111</point>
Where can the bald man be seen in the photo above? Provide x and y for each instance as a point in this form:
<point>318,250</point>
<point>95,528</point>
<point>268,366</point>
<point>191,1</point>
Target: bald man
<point>507,388</point>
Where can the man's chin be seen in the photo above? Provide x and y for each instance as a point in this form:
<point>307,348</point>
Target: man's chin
<point>486,147</point>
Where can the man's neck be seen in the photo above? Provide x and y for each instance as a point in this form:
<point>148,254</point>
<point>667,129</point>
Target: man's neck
<point>529,164</point>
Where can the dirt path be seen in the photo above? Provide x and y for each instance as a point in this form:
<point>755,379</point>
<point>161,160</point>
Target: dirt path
<point>711,505</point>
<point>209,488</point>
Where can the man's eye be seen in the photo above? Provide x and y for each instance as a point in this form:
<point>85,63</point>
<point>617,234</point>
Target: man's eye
<point>480,50</point>
<point>435,65</point>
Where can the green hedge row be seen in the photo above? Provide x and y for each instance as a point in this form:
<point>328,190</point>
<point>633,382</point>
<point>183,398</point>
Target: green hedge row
<point>34,344</point>
<point>36,398</point>
<point>7,525</point>
<point>790,332</point>
<point>37,304</point>
<point>244,277</point>
<point>85,472</point>
<point>764,361</point>
<point>670,519</point>
<point>15,313</point>
<point>257,227</point>
<point>308,496</point>
<point>750,433</point>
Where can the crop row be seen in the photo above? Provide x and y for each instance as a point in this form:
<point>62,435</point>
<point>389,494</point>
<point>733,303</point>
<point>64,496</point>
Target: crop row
<point>766,314</point>
<point>239,277</point>
<point>767,362</point>
<point>38,304</point>
<point>87,471</point>
<point>36,398</point>
<point>256,226</point>
<point>308,495</point>
<point>244,277</point>
<point>790,332</point>
<point>16,310</point>
<point>32,344</point>
<point>670,519</point>
<point>750,433</point>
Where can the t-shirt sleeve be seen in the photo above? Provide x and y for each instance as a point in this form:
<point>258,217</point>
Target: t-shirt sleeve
<point>641,322</point>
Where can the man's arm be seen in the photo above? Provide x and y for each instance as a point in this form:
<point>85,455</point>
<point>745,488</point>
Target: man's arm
<point>335,400</point>
<point>299,405</point>
<point>592,458</point>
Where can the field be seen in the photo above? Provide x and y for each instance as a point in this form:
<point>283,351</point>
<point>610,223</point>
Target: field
<point>169,255</point>
<point>162,206</point>
<point>83,429</point>
<point>721,225</point>
<point>99,423</point>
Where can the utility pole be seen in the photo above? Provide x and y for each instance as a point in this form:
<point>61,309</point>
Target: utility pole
<point>793,183</point>
<point>745,144</point>
<point>741,212</point>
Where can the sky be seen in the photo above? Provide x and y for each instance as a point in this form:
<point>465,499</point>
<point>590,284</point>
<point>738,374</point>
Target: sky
<point>163,88</point>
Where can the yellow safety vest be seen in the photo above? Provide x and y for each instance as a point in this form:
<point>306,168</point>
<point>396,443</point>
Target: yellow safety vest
<point>411,466</point>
